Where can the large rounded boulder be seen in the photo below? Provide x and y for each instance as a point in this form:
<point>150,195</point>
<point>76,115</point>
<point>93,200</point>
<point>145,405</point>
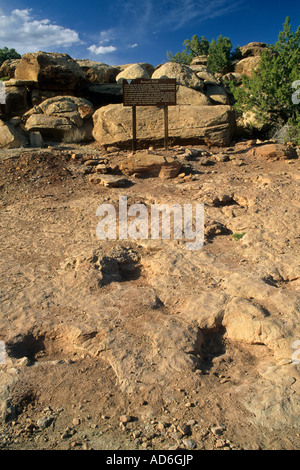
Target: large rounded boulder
<point>51,71</point>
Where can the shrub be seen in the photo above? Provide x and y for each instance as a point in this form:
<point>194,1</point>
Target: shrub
<point>268,94</point>
<point>219,53</point>
<point>6,54</point>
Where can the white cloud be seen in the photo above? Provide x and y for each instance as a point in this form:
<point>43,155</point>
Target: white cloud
<point>107,35</point>
<point>181,12</point>
<point>98,50</point>
<point>173,14</point>
<point>20,30</point>
<point>103,47</point>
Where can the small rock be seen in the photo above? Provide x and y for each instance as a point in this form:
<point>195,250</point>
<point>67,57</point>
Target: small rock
<point>65,435</point>
<point>217,430</point>
<point>189,443</point>
<point>44,422</point>
<point>111,181</point>
<point>220,157</point>
<point>101,168</point>
<point>220,443</point>
<point>184,429</point>
<point>206,162</point>
<point>75,443</point>
<point>90,162</point>
<point>125,419</point>
<point>112,149</point>
<point>192,422</point>
<point>76,421</point>
<point>224,380</point>
<point>161,426</point>
<point>177,436</point>
<point>25,361</point>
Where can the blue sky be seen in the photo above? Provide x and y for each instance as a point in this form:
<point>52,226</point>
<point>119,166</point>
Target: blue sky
<point>127,31</point>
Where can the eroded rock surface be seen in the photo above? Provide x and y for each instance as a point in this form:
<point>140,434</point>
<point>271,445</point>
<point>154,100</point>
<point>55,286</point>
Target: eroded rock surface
<point>208,335</point>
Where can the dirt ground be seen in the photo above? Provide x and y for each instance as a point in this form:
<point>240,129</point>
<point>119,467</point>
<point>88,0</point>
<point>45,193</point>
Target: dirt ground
<point>63,394</point>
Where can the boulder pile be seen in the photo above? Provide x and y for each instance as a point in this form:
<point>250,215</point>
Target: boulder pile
<point>46,93</point>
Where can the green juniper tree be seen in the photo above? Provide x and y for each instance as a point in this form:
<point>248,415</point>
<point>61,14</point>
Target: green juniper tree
<point>219,53</point>
<point>269,92</point>
<point>6,54</point>
<point>192,48</point>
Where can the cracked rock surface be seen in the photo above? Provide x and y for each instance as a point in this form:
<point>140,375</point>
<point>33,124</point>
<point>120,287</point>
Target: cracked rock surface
<point>98,329</point>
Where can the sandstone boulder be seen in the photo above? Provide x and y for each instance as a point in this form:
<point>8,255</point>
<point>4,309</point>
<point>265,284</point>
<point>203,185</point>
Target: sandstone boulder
<point>13,82</point>
<point>187,124</point>
<point>62,118</point>
<point>104,94</point>
<point>273,150</point>
<point>8,68</point>
<point>148,67</point>
<point>10,137</point>
<point>2,93</point>
<point>247,65</point>
<point>231,77</point>
<point>204,73</point>
<point>199,60</point>
<point>188,96</point>
<point>17,99</point>
<point>151,165</point>
<point>38,96</point>
<point>253,49</point>
<point>98,72</point>
<point>132,72</point>
<point>217,94</point>
<point>66,104</point>
<point>184,75</point>
<point>52,71</point>
<point>50,126</point>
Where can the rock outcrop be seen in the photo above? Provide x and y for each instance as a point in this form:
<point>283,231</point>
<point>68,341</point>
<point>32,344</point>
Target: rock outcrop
<point>51,71</point>
<point>253,49</point>
<point>7,69</point>
<point>184,75</point>
<point>247,65</point>
<point>204,73</point>
<point>61,117</point>
<point>189,96</point>
<point>151,165</point>
<point>199,60</point>
<point>10,137</point>
<point>98,72</point>
<point>41,77</point>
<point>132,72</point>
<point>250,58</point>
<point>274,151</point>
<point>217,94</point>
<point>17,96</point>
<point>201,124</point>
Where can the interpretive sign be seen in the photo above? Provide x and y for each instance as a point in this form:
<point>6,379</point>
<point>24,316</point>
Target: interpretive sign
<point>149,92</point>
<point>160,92</point>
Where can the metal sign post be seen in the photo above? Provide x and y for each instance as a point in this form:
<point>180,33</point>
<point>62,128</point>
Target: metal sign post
<point>149,92</point>
<point>133,128</point>
<point>166,119</point>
